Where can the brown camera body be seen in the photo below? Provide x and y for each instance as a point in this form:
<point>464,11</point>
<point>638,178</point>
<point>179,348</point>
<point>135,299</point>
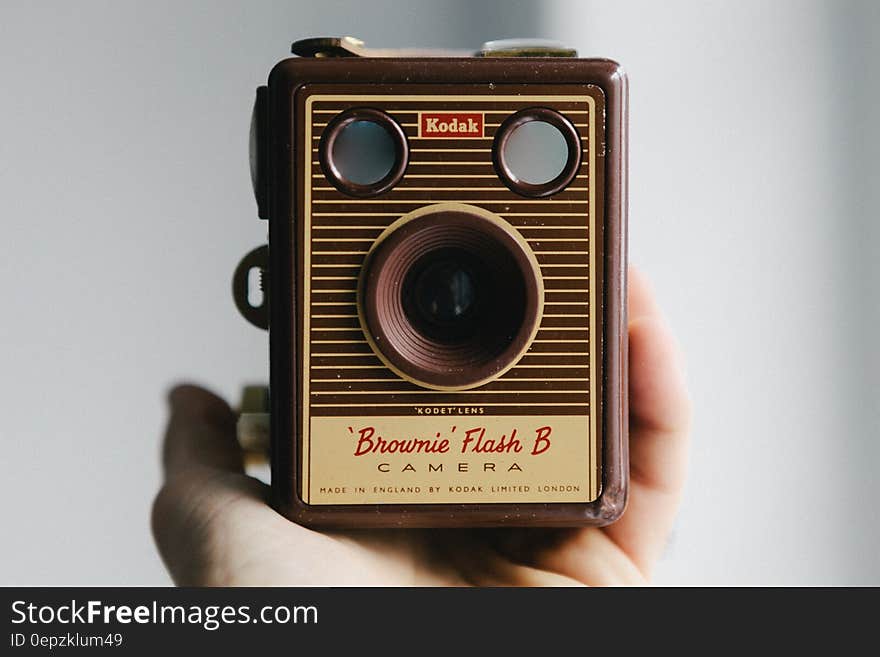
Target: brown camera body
<point>448,340</point>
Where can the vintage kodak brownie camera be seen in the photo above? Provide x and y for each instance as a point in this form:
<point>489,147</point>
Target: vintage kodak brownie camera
<point>444,285</point>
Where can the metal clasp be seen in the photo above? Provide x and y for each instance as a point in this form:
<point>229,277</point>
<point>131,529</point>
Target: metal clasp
<point>348,46</point>
<point>351,47</point>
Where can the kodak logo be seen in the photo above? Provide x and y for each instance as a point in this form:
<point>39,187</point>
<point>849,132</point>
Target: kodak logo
<point>450,125</point>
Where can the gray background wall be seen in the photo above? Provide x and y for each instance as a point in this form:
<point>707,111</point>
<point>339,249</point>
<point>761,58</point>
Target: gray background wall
<point>125,204</point>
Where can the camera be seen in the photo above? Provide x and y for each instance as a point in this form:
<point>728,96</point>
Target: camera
<point>443,286</point>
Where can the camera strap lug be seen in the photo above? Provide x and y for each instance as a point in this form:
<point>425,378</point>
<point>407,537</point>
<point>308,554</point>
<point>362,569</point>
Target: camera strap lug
<point>241,284</point>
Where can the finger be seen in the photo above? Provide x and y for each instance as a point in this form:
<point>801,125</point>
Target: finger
<point>497,571</point>
<point>659,430</point>
<point>659,407</point>
<point>197,522</point>
<point>480,564</point>
<point>659,404</point>
<point>588,556</point>
<point>591,557</point>
<point>641,300</point>
<point>201,433</point>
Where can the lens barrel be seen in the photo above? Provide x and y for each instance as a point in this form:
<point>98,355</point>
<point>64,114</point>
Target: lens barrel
<point>450,297</point>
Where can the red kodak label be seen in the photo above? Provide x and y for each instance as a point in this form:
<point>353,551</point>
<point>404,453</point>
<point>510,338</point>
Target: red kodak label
<point>450,125</point>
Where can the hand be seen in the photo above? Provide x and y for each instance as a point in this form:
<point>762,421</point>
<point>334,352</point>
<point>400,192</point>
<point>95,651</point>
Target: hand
<point>213,525</point>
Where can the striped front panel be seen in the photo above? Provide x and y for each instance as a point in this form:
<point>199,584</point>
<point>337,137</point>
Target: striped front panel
<point>342,375</point>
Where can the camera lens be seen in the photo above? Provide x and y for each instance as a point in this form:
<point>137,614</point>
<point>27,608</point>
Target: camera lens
<point>450,297</point>
<point>440,295</point>
<point>445,293</point>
